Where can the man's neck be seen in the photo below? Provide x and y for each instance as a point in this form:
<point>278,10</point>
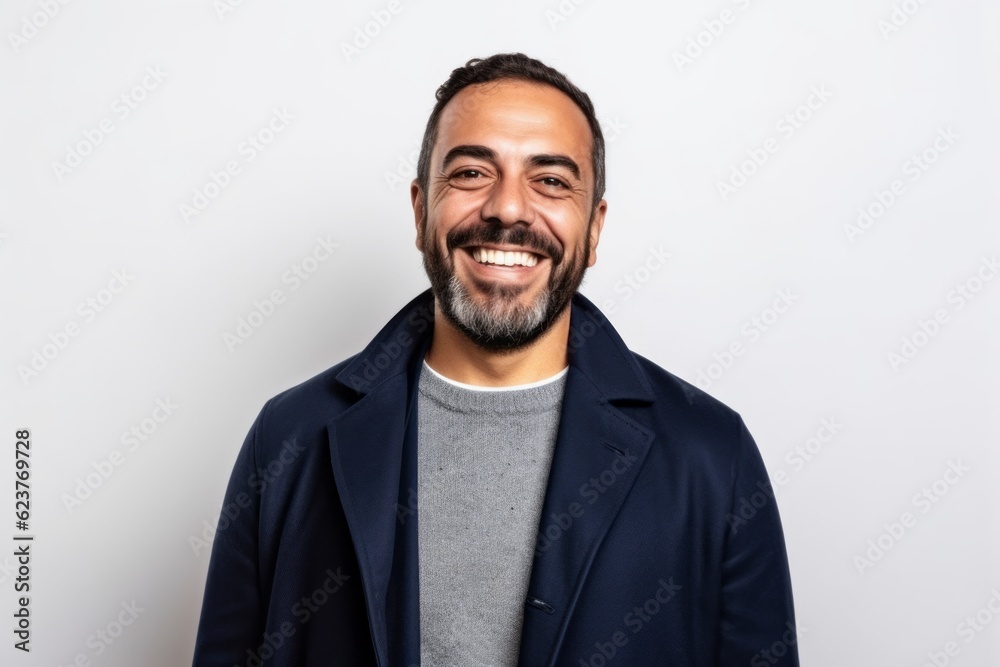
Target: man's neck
<point>456,357</point>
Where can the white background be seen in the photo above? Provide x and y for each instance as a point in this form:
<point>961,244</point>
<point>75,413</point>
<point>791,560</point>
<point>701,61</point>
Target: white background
<point>340,171</point>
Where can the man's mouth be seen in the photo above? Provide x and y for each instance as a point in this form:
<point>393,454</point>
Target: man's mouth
<point>497,257</point>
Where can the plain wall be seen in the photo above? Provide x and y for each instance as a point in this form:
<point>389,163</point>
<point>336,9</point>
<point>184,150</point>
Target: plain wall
<point>877,378</point>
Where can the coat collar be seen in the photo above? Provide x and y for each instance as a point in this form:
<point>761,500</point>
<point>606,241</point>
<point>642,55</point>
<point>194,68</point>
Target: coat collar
<point>596,350</point>
<point>374,477</point>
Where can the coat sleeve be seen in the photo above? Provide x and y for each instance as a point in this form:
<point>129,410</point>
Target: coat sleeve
<point>232,612</point>
<point>757,624</point>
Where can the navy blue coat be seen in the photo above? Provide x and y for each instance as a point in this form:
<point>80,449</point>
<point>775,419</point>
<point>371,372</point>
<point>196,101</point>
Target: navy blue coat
<point>659,543</point>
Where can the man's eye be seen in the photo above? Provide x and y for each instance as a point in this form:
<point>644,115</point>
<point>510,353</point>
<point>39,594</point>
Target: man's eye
<point>551,180</point>
<point>469,174</point>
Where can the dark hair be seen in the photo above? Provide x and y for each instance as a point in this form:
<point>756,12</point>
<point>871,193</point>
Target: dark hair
<point>511,66</point>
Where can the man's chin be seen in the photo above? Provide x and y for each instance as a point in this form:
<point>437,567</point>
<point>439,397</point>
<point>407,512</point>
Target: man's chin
<point>495,322</point>
<point>500,343</point>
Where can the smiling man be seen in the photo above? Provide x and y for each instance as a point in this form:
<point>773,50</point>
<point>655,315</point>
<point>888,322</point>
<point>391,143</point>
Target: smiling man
<point>496,479</point>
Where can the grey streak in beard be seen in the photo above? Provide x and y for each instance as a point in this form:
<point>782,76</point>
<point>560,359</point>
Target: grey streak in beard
<point>499,319</point>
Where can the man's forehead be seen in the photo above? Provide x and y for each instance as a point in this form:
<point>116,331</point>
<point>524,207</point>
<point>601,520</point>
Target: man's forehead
<point>512,108</point>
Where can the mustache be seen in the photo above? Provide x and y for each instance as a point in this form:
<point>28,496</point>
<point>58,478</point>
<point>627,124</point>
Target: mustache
<point>496,235</point>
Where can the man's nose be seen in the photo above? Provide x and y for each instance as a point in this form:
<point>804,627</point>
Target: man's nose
<point>508,202</point>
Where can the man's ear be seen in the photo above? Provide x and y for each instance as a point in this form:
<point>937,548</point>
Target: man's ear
<point>418,202</point>
<point>596,225</point>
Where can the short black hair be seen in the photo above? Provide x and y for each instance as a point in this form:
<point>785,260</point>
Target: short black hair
<point>511,66</point>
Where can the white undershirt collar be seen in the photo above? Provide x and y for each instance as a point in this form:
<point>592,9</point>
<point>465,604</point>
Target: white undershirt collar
<point>476,387</point>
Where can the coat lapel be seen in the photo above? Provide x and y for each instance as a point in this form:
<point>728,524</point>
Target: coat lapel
<point>366,447</point>
<point>374,475</point>
<point>596,441</point>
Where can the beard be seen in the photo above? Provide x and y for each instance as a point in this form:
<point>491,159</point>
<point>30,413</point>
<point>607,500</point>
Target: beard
<point>502,323</point>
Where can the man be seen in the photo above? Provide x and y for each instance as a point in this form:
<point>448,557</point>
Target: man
<point>496,479</point>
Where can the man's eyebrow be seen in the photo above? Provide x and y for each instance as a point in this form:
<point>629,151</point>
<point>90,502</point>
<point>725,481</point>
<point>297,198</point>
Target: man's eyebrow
<point>556,161</point>
<point>488,154</point>
<point>478,152</point>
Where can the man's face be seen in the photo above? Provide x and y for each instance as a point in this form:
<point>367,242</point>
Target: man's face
<point>507,227</point>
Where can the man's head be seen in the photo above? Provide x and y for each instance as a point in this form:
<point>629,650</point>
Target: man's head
<point>512,160</point>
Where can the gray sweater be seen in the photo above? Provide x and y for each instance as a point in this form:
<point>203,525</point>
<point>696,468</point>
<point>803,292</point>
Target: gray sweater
<point>483,464</point>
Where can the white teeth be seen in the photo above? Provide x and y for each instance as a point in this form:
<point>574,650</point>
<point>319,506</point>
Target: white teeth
<point>503,258</point>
